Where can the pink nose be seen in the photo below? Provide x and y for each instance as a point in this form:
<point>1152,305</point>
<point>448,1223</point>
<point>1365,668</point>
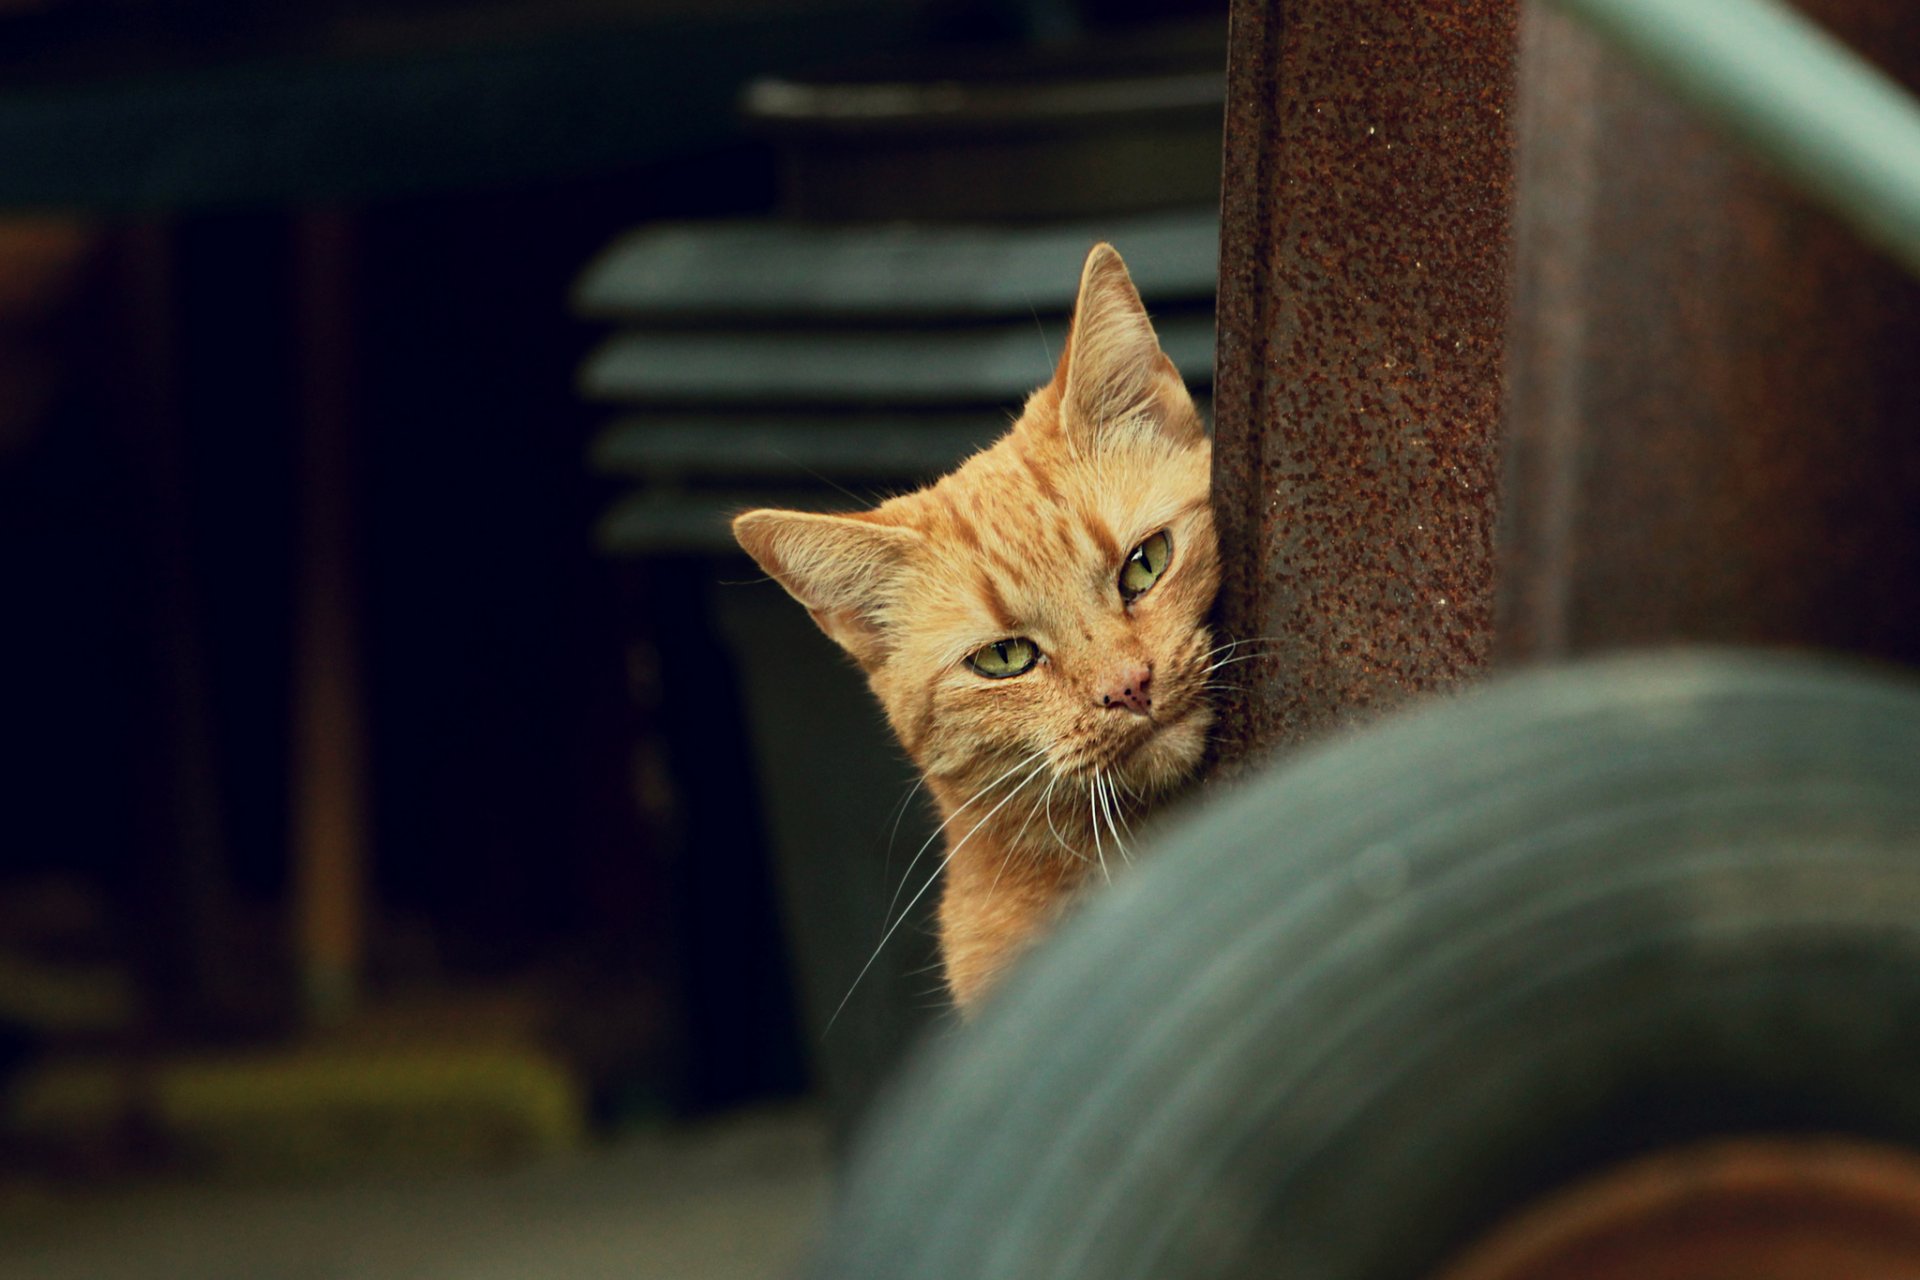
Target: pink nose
<point>1130,687</point>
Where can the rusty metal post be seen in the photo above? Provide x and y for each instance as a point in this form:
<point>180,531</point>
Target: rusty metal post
<point>1363,301</point>
<point>1711,425</point>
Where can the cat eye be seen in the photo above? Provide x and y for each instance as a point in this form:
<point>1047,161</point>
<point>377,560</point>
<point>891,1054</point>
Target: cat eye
<point>1145,563</point>
<point>1004,658</point>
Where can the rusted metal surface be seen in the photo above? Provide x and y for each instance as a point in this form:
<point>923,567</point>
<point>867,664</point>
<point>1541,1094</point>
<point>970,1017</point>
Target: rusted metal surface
<point>1711,426</point>
<point>1775,1209</point>
<point>1363,298</point>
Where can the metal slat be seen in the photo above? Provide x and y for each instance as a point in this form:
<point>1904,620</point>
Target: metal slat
<point>645,523</point>
<point>799,448</point>
<point>987,366</point>
<point>763,270</point>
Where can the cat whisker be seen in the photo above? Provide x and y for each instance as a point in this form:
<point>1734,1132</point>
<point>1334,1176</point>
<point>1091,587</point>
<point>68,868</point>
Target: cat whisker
<point>1062,840</point>
<point>1093,809</point>
<point>1123,815</point>
<point>1101,815</point>
<point>1109,801</point>
<point>952,853</point>
<point>867,501</point>
<point>1231,645</point>
<point>899,817</point>
<point>1227,662</point>
<point>1042,331</point>
<point>907,875</point>
<point>1032,813</point>
<point>1013,845</point>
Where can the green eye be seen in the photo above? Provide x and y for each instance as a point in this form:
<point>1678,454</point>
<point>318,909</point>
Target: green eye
<point>1004,658</point>
<point>1145,564</point>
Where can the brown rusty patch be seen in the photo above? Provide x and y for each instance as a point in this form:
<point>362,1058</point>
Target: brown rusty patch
<point>1760,1208</point>
<point>1361,324</point>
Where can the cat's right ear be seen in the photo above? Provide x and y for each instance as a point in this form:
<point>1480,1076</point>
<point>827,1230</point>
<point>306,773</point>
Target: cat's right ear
<point>1113,370</point>
<point>841,568</point>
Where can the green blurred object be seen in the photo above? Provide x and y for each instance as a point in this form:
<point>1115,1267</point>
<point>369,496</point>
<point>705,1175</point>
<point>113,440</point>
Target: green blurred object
<point>1847,134</point>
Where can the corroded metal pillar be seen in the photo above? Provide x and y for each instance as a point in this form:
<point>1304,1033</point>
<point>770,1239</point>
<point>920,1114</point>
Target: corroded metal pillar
<point>1713,415</point>
<point>1363,301</point>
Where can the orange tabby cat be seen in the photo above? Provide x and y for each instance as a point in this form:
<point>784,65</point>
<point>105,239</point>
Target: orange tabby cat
<point>1034,624</point>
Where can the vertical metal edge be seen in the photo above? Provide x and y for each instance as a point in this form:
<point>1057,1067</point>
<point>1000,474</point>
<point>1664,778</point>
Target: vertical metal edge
<point>1557,174</point>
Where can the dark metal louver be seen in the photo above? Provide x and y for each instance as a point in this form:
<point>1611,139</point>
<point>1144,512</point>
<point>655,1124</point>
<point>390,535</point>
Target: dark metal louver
<point>768,361</point>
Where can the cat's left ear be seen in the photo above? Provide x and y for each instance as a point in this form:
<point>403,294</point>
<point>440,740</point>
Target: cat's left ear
<point>1113,371</point>
<point>841,567</point>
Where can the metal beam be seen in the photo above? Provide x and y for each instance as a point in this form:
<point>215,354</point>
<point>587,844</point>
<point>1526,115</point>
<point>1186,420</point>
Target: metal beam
<point>1363,301</point>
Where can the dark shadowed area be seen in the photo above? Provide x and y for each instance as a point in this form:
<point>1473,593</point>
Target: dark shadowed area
<point>426,848</point>
<point>429,847</point>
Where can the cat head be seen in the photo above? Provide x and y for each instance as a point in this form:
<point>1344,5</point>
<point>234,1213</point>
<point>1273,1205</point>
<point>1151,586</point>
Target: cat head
<point>1048,598</point>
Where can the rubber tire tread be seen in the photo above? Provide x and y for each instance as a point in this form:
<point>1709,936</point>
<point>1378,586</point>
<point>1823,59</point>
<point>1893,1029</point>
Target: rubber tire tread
<point>1349,1015</point>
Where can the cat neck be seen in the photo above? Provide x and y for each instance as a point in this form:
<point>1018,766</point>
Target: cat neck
<point>1018,856</point>
<point>1038,818</point>
<point>1002,892</point>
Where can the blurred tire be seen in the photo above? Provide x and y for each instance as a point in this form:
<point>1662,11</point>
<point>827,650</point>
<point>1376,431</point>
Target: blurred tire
<point>1357,1012</point>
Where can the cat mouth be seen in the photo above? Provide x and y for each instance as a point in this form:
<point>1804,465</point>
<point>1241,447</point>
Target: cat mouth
<point>1124,749</point>
<point>1169,743</point>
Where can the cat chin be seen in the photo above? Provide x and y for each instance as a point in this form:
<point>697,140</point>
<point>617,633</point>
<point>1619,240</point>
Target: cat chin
<point>1168,758</point>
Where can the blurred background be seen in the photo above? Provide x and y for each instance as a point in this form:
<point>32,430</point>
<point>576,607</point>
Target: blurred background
<point>425,847</point>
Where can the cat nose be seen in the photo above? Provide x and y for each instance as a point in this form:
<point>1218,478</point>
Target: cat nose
<point>1130,687</point>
